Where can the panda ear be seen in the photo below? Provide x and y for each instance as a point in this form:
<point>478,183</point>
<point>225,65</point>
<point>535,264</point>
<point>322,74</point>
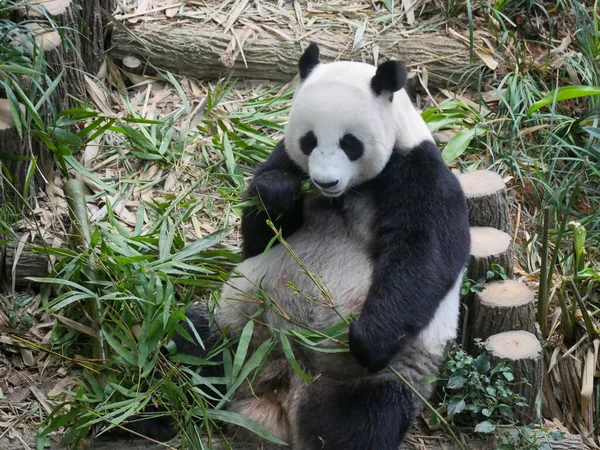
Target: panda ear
<point>390,77</point>
<point>309,60</point>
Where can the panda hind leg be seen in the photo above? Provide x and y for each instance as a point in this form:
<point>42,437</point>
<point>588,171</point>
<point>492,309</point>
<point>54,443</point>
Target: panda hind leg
<point>267,413</point>
<point>371,414</point>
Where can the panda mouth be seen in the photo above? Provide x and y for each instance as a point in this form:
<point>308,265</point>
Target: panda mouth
<point>331,192</point>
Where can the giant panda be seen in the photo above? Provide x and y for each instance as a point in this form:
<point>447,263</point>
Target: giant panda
<point>384,229</point>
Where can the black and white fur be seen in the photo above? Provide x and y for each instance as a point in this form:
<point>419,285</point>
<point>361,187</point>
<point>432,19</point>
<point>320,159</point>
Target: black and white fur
<point>386,231</point>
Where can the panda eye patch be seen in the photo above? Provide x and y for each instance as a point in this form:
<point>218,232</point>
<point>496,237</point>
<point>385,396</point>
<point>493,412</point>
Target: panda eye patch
<point>352,146</point>
<point>308,142</point>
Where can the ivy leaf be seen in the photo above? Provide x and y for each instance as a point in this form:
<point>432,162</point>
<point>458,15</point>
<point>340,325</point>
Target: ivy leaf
<point>456,381</point>
<point>433,421</point>
<point>507,411</point>
<point>485,427</point>
<point>482,364</point>
<point>509,376</point>
<point>456,406</point>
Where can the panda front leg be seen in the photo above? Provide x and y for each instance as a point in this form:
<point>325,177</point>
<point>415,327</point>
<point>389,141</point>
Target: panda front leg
<point>370,414</point>
<point>276,184</point>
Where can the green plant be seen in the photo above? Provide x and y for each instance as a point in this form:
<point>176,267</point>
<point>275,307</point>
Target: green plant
<point>462,119</point>
<point>475,393</point>
<point>527,438</point>
<point>471,286</point>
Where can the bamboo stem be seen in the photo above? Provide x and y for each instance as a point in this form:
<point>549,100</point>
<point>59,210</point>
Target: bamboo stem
<point>75,195</point>
<point>543,291</point>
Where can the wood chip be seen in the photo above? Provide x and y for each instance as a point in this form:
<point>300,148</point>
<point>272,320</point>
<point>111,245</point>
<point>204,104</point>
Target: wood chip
<point>171,12</point>
<point>235,14</point>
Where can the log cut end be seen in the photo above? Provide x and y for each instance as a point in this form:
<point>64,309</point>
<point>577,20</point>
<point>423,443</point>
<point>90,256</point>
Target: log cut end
<point>6,120</point>
<point>43,37</point>
<point>480,183</point>
<point>507,293</point>
<point>133,65</point>
<point>52,7</point>
<point>501,306</point>
<point>487,241</point>
<point>514,345</point>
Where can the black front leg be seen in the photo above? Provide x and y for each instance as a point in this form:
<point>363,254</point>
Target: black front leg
<point>421,248</point>
<point>276,185</point>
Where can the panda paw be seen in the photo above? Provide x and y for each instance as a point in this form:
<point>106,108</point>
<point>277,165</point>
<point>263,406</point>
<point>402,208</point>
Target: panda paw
<point>277,190</point>
<point>368,348</point>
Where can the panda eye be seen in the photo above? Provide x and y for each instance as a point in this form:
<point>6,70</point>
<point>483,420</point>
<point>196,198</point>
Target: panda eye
<point>308,142</point>
<point>352,146</point>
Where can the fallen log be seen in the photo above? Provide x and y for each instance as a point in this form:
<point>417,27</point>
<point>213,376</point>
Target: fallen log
<point>203,50</point>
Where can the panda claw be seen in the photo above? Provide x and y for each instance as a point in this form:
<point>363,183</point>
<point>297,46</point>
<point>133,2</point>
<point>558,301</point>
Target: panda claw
<point>369,353</point>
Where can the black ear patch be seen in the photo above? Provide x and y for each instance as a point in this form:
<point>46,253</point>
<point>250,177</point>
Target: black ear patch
<point>390,77</point>
<point>309,60</point>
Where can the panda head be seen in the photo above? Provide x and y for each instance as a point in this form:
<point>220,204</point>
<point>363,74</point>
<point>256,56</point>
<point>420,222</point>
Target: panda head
<point>343,124</point>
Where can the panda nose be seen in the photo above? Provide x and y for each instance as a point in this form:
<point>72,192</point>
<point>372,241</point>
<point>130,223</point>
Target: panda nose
<point>327,184</point>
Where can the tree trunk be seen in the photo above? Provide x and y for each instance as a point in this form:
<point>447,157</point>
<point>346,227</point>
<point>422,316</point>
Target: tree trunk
<point>16,157</point>
<point>487,200</point>
<point>523,352</point>
<point>489,246</point>
<point>202,50</point>
<point>502,306</point>
<point>94,32</point>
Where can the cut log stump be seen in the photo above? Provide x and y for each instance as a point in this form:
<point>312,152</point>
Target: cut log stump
<point>133,65</point>
<point>50,42</point>
<point>523,352</point>
<point>502,306</point>
<point>489,246</point>
<point>64,13</point>
<point>16,157</point>
<point>487,200</point>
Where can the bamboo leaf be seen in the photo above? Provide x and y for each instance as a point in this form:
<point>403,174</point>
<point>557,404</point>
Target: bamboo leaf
<point>289,354</point>
<point>564,93</point>
<point>237,419</point>
<point>242,349</point>
<point>112,340</point>
<point>459,143</point>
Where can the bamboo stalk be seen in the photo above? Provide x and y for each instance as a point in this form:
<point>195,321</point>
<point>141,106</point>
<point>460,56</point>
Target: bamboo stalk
<point>75,195</point>
<point>543,290</point>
